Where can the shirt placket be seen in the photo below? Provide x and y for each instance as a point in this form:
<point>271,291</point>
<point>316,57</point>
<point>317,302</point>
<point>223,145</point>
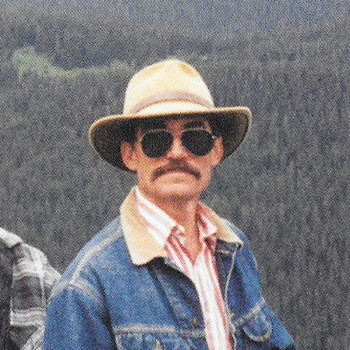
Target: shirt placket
<point>213,312</point>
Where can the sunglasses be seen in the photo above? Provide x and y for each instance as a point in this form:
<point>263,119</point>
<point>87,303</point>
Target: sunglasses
<point>156,143</point>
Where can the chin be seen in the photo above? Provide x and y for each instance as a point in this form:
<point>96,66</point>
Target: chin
<point>180,192</point>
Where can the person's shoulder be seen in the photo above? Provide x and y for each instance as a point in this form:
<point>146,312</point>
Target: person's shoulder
<point>246,252</point>
<point>30,269</point>
<point>9,239</point>
<point>106,240</point>
<point>245,249</point>
<point>97,255</point>
<point>21,250</point>
<point>236,230</point>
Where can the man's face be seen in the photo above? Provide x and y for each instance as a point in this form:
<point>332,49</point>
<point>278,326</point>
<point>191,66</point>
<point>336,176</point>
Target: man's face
<point>178,174</point>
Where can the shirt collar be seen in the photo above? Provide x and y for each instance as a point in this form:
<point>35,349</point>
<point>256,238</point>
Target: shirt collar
<point>207,228</point>
<point>143,246</point>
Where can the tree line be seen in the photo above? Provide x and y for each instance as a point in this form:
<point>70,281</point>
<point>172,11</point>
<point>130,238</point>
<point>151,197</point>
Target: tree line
<point>287,186</point>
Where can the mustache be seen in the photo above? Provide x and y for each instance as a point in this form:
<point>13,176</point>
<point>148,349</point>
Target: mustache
<point>173,166</point>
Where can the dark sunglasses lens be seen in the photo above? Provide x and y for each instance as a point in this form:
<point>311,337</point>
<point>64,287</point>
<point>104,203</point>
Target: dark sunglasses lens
<point>156,144</point>
<point>199,142</point>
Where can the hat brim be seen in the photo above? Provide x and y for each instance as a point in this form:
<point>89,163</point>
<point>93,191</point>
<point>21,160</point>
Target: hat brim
<point>106,134</point>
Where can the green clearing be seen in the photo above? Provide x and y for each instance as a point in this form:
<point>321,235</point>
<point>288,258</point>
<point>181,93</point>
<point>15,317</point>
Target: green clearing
<point>27,61</point>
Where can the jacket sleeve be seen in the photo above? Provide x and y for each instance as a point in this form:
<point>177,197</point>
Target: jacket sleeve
<point>76,321</point>
<point>280,339</point>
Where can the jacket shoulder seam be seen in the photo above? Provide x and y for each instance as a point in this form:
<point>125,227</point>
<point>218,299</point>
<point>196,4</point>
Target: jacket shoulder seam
<point>92,253</point>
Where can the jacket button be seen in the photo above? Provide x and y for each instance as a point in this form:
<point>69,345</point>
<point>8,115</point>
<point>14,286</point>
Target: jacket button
<point>196,322</point>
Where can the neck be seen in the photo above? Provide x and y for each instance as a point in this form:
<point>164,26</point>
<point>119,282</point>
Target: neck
<point>185,213</point>
<point>182,210</point>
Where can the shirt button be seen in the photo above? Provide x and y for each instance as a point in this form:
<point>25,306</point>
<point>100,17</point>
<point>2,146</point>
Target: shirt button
<point>195,322</point>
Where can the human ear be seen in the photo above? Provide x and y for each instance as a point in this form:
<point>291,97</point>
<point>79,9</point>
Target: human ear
<point>127,152</point>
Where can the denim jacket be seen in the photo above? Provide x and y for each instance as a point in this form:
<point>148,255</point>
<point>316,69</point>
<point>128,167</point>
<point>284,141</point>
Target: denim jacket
<point>121,292</point>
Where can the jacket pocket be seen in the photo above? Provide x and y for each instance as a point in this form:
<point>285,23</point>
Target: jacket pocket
<point>258,328</point>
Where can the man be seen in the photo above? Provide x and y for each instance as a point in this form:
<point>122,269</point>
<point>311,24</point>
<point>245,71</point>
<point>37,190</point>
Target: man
<point>168,273</point>
<point>26,280</point>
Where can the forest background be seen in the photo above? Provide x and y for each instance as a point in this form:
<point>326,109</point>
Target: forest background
<point>63,64</point>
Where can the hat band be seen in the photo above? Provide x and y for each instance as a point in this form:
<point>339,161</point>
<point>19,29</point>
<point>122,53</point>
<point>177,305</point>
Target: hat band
<point>177,95</point>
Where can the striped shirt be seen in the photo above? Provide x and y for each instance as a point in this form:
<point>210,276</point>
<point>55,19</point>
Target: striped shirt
<point>202,271</point>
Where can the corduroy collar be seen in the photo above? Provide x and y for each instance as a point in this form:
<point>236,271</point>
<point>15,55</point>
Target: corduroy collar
<point>141,244</point>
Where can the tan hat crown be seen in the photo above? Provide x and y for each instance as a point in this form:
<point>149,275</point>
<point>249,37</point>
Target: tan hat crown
<point>170,80</point>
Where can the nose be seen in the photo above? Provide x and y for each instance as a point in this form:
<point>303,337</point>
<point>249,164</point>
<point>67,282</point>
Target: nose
<point>177,150</point>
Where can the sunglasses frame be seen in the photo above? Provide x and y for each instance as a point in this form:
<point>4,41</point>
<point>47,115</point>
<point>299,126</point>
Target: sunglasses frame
<point>165,131</point>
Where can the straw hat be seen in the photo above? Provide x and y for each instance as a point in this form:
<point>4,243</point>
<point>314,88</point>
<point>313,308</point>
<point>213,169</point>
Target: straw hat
<point>164,89</point>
